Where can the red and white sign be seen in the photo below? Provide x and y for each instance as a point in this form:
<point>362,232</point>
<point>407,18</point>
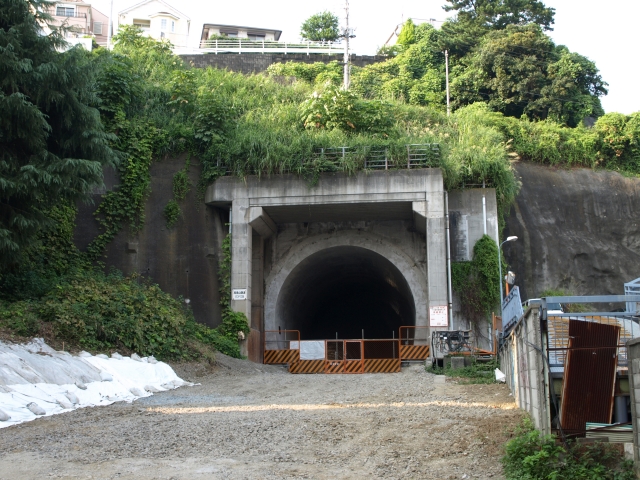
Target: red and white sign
<point>438,316</point>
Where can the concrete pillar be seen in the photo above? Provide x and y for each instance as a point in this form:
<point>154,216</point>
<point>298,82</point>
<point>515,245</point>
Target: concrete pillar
<point>241,259</point>
<point>257,300</point>
<point>436,249</point>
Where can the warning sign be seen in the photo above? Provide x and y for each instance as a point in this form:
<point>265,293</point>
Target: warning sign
<point>438,316</point>
<point>239,294</point>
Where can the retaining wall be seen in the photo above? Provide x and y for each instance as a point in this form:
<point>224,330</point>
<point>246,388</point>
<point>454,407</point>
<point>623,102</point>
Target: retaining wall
<point>522,361</point>
<point>259,62</point>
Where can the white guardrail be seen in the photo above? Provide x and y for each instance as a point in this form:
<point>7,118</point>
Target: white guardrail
<point>250,46</point>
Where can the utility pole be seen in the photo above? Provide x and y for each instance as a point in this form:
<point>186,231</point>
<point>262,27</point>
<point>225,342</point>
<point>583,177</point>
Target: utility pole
<point>446,67</point>
<point>110,26</point>
<point>347,35</point>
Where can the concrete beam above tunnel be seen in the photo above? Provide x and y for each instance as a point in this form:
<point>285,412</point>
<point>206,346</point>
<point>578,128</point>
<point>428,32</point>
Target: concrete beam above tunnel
<point>419,210</point>
<point>261,222</point>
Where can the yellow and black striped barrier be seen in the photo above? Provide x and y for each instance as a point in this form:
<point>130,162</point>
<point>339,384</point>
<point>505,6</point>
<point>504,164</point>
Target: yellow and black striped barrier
<point>281,357</point>
<point>414,352</point>
<point>307,366</point>
<point>381,365</point>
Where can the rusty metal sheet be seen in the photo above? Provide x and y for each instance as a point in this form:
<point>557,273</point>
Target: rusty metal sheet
<point>589,375</point>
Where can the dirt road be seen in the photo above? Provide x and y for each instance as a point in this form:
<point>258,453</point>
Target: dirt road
<point>248,421</point>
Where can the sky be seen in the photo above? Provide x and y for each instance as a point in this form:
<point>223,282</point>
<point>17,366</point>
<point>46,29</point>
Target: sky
<point>604,31</point>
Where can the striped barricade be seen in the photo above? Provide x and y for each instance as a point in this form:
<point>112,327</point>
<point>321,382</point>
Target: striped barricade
<point>281,347</point>
<point>414,343</point>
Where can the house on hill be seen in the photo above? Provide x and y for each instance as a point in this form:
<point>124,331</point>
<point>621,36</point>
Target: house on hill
<point>159,20</point>
<point>212,30</point>
<point>84,22</point>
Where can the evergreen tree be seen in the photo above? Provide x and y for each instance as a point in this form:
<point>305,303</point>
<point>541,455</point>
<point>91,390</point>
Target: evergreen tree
<point>52,143</point>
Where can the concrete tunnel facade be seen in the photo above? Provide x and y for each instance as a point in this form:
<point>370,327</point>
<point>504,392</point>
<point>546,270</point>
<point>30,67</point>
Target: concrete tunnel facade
<point>354,253</point>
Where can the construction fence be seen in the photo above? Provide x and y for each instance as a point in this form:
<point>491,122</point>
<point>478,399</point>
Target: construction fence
<point>352,356</point>
<point>571,371</point>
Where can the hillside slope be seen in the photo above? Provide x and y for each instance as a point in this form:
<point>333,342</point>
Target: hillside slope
<point>578,230</point>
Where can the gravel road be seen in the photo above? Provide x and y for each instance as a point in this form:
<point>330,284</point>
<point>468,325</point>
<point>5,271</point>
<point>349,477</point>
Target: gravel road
<point>248,421</point>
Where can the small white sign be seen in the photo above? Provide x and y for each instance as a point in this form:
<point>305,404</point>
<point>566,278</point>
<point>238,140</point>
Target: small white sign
<point>239,294</point>
<point>438,316</point>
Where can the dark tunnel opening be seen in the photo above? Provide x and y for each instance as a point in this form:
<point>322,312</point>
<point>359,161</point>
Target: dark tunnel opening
<point>344,290</point>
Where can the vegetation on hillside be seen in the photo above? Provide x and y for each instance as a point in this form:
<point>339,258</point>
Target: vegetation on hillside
<point>66,115</point>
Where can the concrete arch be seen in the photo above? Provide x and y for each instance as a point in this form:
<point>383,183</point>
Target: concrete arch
<point>410,269</point>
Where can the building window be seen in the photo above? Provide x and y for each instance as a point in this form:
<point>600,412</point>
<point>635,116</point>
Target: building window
<point>256,37</point>
<point>62,11</point>
<point>173,26</point>
<point>163,24</point>
<point>97,28</point>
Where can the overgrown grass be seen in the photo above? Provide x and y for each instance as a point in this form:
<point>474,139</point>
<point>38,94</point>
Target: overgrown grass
<point>532,456</point>
<point>477,373</point>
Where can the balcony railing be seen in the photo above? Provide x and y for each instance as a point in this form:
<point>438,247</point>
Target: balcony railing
<point>242,45</point>
<point>70,14</point>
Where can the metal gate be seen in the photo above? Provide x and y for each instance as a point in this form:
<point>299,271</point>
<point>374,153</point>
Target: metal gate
<point>353,356</point>
<point>345,356</point>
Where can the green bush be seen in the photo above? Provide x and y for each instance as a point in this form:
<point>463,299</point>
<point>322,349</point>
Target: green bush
<point>532,456</point>
<point>20,317</point>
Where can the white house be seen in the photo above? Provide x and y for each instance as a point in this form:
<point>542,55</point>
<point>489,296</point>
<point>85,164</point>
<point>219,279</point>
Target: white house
<point>214,30</point>
<point>159,20</point>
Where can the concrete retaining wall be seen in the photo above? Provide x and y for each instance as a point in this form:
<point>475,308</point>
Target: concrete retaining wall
<point>258,62</point>
<point>522,361</point>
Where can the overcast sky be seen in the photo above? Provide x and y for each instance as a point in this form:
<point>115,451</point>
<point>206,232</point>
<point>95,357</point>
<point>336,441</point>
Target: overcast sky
<point>604,31</point>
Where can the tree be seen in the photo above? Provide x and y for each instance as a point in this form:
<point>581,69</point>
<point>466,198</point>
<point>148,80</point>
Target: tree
<point>321,27</point>
<point>407,34</point>
<point>497,14</point>
<point>519,70</point>
<point>52,142</point>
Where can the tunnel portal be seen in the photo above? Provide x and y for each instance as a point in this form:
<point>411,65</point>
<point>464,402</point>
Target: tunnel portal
<point>343,290</point>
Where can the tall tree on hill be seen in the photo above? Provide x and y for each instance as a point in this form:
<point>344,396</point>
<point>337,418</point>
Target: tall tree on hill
<point>52,143</point>
<point>321,27</point>
<point>475,18</point>
<point>519,70</point>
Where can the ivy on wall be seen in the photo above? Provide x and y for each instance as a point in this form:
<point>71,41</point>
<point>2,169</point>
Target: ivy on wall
<point>477,283</point>
<point>181,187</point>
<point>125,204</point>
<point>232,322</point>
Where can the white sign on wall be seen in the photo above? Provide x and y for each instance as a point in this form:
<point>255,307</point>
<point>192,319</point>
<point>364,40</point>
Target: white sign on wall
<point>239,294</point>
<point>438,316</point>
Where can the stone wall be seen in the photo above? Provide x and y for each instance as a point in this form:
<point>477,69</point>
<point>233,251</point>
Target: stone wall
<point>258,62</point>
<point>577,229</point>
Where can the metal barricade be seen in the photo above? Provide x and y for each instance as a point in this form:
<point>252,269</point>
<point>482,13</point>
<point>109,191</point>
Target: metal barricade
<point>414,343</point>
<point>353,356</point>
<point>381,356</point>
<point>334,356</point>
<point>281,347</point>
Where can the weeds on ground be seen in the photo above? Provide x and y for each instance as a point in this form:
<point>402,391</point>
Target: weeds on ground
<point>531,455</point>
<point>476,373</point>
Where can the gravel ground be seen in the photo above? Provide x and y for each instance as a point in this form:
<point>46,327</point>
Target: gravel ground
<point>248,421</point>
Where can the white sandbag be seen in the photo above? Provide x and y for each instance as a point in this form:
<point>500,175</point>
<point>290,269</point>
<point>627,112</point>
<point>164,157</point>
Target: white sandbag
<point>65,405</point>
<point>73,398</point>
<point>106,377</point>
<point>152,360</point>
<point>137,392</point>
<point>103,356</point>
<point>36,409</point>
<point>84,354</point>
<point>500,377</point>
<point>136,357</point>
<point>152,389</point>
<point>144,359</point>
<point>116,355</point>
<point>4,417</point>
<point>80,385</point>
